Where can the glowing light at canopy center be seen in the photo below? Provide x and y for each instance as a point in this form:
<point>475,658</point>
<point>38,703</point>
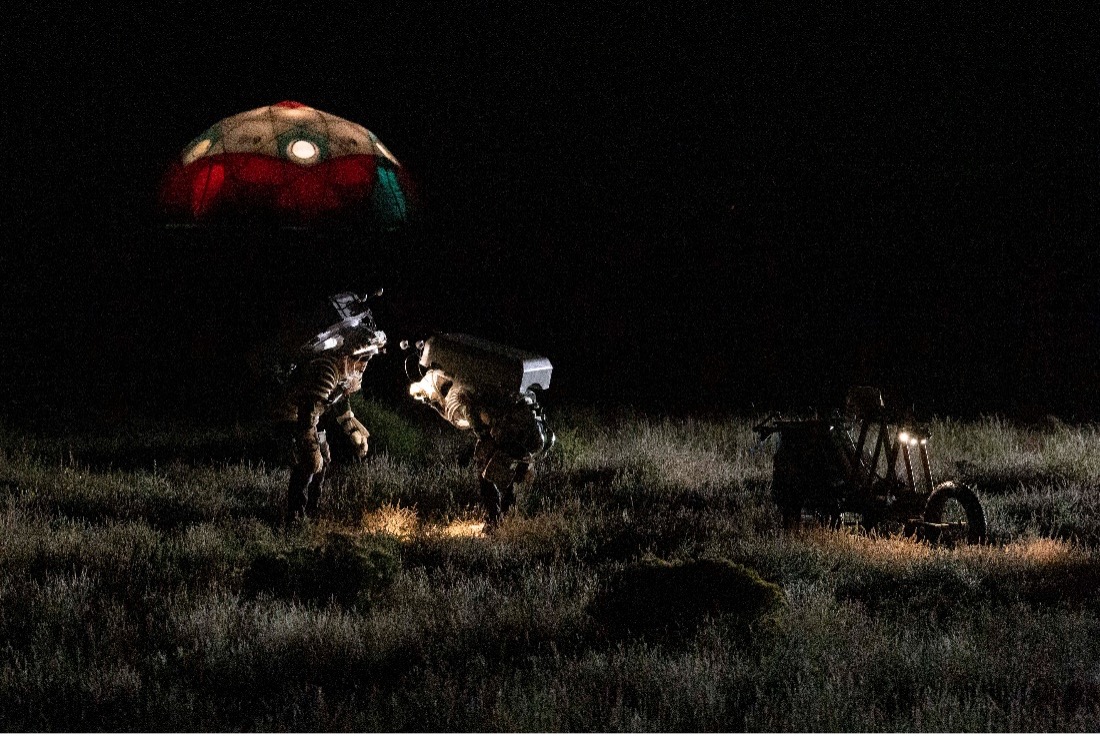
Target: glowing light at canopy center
<point>303,151</point>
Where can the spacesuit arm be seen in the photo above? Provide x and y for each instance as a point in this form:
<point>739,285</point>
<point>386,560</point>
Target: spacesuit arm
<point>322,376</point>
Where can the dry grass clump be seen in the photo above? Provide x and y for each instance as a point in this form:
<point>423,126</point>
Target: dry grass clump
<point>391,520</point>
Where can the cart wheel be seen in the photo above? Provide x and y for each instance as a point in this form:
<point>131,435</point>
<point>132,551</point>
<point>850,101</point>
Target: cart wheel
<point>957,506</point>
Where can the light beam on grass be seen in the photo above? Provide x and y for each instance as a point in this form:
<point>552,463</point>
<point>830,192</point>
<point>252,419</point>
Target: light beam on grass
<point>1025,553</point>
<point>403,523</point>
<point>464,529</point>
<point>1045,551</point>
<point>393,520</point>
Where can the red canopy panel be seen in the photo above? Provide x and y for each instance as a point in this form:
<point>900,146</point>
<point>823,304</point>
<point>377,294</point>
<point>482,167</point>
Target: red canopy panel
<point>290,162</point>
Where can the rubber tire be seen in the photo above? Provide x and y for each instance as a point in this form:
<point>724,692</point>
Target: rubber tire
<point>967,498</point>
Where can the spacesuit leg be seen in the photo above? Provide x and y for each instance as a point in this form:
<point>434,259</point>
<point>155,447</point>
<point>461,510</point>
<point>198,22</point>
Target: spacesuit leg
<point>525,472</point>
<point>317,482</point>
<point>298,492</point>
<point>507,498</point>
<point>490,495</point>
<point>308,462</point>
<point>522,474</point>
<point>499,473</point>
<point>491,500</point>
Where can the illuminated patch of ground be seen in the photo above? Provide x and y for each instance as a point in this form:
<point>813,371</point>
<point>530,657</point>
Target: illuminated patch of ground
<point>403,523</point>
<point>463,528</point>
<point>897,549</point>
<point>1044,551</point>
<point>396,521</point>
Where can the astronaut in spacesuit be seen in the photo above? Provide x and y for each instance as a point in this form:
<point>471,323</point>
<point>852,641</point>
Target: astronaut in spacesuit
<point>316,400</point>
<point>511,428</point>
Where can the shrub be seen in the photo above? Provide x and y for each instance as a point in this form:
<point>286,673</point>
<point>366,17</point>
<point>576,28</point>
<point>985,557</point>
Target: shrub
<point>340,568</point>
<point>659,598</point>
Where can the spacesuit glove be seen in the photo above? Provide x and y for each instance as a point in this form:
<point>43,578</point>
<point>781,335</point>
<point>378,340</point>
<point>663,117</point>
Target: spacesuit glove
<point>500,470</point>
<point>355,431</point>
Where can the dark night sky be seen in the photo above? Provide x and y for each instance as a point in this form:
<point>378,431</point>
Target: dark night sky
<point>686,208</point>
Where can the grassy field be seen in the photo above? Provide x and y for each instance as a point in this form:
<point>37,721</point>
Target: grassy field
<point>645,584</point>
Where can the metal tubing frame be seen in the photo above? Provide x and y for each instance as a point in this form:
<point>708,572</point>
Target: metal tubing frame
<point>909,469</point>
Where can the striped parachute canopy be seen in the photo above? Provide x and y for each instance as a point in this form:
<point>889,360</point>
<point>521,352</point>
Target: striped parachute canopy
<point>291,163</point>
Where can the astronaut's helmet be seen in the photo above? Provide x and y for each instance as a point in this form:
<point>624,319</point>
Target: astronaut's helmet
<point>356,335</point>
<point>364,341</point>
